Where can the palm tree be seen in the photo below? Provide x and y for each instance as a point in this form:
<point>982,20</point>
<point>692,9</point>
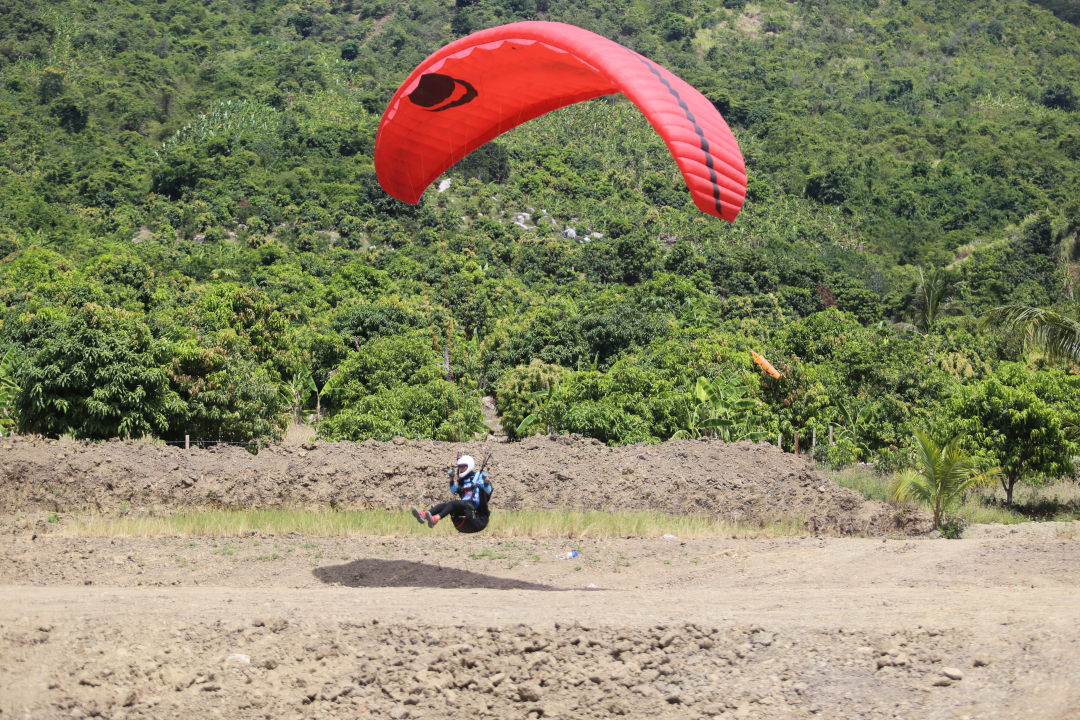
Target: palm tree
<point>1054,333</point>
<point>933,299</point>
<point>946,473</point>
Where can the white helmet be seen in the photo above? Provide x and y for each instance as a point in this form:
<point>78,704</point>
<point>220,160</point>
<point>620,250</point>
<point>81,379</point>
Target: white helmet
<point>468,462</point>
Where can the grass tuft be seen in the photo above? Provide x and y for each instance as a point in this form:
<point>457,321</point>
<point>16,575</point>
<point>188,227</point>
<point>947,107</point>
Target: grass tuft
<point>330,523</point>
<point>864,481</point>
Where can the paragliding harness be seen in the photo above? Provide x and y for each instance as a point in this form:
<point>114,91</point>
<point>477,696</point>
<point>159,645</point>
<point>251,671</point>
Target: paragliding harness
<point>480,516</point>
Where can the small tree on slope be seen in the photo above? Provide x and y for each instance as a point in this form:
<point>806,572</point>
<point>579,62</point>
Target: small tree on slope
<point>945,474</point>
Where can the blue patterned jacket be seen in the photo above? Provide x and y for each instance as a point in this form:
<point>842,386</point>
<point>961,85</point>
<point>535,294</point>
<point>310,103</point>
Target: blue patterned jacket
<point>473,488</point>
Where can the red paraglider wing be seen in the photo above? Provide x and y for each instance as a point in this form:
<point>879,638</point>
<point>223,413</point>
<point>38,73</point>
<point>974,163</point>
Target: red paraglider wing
<point>480,86</point>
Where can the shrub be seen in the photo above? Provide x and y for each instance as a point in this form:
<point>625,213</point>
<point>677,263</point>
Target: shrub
<point>395,387</point>
<point>522,392</point>
<point>350,50</point>
<point>841,455</point>
<point>94,373</point>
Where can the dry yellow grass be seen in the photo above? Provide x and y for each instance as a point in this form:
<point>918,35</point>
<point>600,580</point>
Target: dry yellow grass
<point>329,523</point>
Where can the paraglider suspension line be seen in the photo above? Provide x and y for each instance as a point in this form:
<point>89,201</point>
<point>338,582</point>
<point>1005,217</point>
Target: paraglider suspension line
<point>449,342</point>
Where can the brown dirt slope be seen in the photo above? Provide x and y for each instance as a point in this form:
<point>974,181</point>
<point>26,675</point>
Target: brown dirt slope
<point>740,481</point>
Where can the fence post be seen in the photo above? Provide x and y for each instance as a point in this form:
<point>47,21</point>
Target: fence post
<point>813,441</point>
<point>831,443</point>
<point>187,442</point>
<point>796,442</point>
<point>780,441</point>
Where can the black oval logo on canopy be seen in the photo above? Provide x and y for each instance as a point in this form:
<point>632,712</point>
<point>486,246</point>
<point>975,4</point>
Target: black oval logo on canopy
<point>435,89</point>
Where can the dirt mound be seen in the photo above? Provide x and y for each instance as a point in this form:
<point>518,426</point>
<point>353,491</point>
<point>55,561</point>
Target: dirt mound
<point>742,481</point>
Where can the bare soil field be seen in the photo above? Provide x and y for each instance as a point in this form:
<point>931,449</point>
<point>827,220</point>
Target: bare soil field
<point>295,627</point>
<point>290,626</point>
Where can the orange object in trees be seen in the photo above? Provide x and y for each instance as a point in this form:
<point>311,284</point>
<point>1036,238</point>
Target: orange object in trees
<point>765,365</point>
<point>478,87</point>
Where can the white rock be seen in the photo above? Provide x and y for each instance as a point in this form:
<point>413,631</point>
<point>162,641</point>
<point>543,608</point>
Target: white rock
<point>238,658</point>
<point>592,587</point>
<point>570,233</point>
<point>597,235</point>
<point>952,673</point>
<point>670,537</point>
<point>444,185</point>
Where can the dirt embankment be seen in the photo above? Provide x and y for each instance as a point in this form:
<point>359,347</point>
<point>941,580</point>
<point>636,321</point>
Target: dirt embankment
<point>742,481</point>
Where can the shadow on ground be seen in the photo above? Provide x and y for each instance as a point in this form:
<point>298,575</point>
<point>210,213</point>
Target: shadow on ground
<point>374,573</point>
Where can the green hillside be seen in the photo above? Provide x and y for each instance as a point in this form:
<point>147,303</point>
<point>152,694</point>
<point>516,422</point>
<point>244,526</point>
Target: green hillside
<point>196,243</point>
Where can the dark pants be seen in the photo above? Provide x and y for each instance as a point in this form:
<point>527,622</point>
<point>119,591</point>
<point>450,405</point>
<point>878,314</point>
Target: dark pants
<point>465,519</point>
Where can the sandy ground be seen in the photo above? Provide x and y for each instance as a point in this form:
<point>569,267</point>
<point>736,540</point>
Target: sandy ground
<point>297,627</point>
<point>1041,530</point>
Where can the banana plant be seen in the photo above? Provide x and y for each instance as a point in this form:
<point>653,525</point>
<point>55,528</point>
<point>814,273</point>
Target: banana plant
<point>589,367</point>
<point>694,313</point>
<point>723,410</point>
<point>329,388</point>
<point>9,388</point>
<point>301,388</point>
<point>856,416</point>
<point>296,392</point>
<point>540,398</point>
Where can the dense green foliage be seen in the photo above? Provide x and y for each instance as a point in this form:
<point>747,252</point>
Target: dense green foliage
<point>193,237</point>
<point>1005,421</point>
<point>396,387</point>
